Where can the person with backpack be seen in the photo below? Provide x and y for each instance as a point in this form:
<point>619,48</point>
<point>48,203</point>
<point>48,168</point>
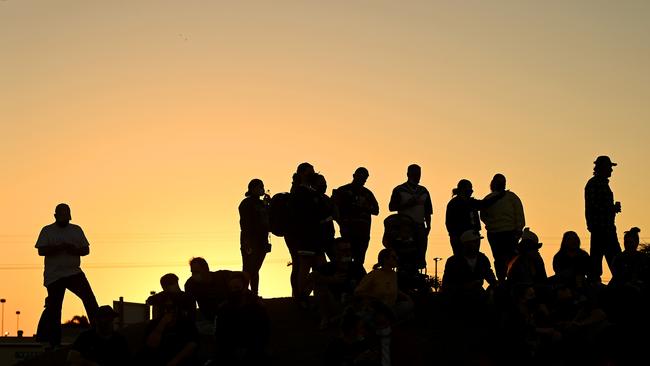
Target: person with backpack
<point>282,219</point>
<point>254,223</point>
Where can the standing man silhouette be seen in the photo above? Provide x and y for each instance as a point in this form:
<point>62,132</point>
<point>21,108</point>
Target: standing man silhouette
<point>62,244</point>
<point>600,212</point>
<point>504,222</point>
<point>413,200</point>
<point>356,205</point>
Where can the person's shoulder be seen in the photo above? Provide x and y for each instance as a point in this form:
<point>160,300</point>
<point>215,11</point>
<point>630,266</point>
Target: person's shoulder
<point>49,228</point>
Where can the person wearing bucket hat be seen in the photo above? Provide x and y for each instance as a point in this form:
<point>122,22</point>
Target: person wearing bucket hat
<point>100,345</point>
<point>600,214</point>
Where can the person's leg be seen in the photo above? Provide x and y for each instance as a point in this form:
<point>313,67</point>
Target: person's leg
<point>362,245</point>
<point>596,253</point>
<point>256,265</point>
<point>79,286</point>
<point>422,241</point>
<point>49,325</point>
<point>611,248</point>
<point>500,268</point>
<point>248,266</point>
<point>304,267</point>
<point>295,264</point>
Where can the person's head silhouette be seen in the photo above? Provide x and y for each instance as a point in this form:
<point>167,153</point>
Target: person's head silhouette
<point>255,188</point>
<point>200,269</point>
<point>603,166</point>
<point>631,239</point>
<point>62,214</point>
<point>169,282</point>
<point>498,183</point>
<point>463,189</point>
<point>570,243</point>
<point>360,176</point>
<point>414,173</point>
<point>304,172</point>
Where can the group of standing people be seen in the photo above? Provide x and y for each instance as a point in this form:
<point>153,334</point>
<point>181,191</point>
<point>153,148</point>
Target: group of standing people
<point>305,217</point>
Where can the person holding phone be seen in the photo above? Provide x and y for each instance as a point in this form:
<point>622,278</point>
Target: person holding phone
<point>254,223</point>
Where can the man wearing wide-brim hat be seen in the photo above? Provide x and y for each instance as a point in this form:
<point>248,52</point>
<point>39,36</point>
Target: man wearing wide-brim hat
<point>600,212</point>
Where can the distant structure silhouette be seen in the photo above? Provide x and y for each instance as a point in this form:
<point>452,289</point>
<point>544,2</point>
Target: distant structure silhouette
<point>413,200</point>
<point>356,205</point>
<point>600,212</point>
<point>255,226</point>
<point>504,221</point>
<point>62,244</point>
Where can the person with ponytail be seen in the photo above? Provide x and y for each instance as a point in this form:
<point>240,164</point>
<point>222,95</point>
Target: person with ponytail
<point>462,212</point>
<point>631,267</point>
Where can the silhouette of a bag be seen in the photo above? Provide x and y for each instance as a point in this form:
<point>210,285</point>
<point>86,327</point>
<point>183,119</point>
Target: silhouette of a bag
<point>280,215</point>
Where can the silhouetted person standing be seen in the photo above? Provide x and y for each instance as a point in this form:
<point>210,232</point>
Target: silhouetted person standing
<point>356,205</point>
<point>299,183</point>
<point>600,212</point>
<point>504,221</point>
<point>254,223</point>
<point>462,212</point>
<point>62,244</point>
<point>413,200</point>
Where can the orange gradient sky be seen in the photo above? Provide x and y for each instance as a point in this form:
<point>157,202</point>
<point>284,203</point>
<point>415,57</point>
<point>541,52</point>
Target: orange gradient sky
<point>150,117</point>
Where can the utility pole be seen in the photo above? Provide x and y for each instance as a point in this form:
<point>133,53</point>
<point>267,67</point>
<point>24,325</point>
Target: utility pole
<point>3,301</point>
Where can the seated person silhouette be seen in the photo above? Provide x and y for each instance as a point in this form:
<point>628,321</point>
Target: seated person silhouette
<point>466,272</point>
<point>171,290</point>
<point>335,281</point>
<point>242,326</point>
<point>100,345</point>
<point>170,339</point>
<point>208,289</point>
<point>571,263</point>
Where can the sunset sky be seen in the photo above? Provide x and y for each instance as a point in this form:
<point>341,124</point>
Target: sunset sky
<point>150,117</point>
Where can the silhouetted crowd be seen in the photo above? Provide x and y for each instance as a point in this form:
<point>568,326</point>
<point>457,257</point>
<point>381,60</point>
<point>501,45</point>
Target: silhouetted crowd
<point>514,314</point>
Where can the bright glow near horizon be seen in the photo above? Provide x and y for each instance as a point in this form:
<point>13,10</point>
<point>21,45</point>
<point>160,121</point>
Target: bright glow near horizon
<point>150,117</point>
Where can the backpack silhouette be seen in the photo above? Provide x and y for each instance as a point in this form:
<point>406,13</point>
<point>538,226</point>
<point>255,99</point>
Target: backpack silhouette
<point>280,213</point>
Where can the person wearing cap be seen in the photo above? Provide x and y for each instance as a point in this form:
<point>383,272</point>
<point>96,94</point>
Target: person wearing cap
<point>504,221</point>
<point>466,272</point>
<point>100,345</point>
<point>600,213</point>
<point>62,244</point>
<point>413,200</point>
<point>527,267</point>
<point>254,224</point>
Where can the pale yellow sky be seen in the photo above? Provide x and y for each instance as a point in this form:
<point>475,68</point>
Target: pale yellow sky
<point>150,117</point>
